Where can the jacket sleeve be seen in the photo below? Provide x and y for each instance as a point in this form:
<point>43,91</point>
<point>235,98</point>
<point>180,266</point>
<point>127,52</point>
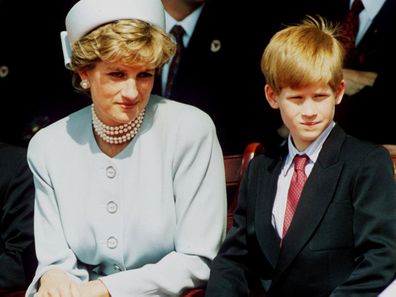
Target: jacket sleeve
<point>374,226</point>
<point>229,270</point>
<point>56,252</point>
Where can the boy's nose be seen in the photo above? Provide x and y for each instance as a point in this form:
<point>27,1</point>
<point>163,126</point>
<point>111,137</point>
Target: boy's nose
<point>309,108</point>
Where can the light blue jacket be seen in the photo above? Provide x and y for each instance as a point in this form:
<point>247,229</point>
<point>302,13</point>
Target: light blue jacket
<point>147,221</point>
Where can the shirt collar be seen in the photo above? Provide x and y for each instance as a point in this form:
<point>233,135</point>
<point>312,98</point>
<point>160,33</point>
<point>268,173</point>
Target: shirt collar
<point>188,23</point>
<point>312,151</point>
<point>372,7</point>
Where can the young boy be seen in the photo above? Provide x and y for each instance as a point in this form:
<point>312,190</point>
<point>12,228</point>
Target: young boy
<point>336,238</point>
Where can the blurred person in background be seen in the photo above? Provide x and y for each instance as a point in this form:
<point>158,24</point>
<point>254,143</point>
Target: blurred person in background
<point>17,256</point>
<point>219,70</point>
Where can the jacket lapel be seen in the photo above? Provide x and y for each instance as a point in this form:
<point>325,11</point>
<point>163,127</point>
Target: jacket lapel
<point>268,239</point>
<point>315,198</point>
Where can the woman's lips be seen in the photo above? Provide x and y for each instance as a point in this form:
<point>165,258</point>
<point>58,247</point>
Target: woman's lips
<point>129,104</point>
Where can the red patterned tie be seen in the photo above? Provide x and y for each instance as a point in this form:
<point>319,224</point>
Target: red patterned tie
<point>349,30</point>
<point>296,186</point>
<point>178,32</point>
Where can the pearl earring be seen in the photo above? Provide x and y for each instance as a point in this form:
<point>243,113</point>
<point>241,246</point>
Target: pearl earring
<point>85,84</point>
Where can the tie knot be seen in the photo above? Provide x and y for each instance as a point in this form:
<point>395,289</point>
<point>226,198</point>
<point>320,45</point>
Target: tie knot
<point>300,161</point>
<point>178,32</point>
<point>357,6</point>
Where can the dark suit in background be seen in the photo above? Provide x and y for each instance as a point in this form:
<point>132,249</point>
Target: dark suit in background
<point>17,256</point>
<point>35,87</point>
<point>370,114</point>
<point>220,73</point>
<point>341,242</point>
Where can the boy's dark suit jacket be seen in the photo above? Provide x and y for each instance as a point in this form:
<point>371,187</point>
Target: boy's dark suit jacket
<point>342,240</point>
<point>17,255</point>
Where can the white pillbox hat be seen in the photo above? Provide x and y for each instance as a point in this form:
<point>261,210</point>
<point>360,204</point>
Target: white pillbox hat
<point>86,15</point>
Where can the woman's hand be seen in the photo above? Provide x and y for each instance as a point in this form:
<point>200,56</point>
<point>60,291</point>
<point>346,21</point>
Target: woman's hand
<point>93,289</point>
<point>56,283</point>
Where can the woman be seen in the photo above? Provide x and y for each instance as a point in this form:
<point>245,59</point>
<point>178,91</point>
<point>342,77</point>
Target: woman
<point>130,192</point>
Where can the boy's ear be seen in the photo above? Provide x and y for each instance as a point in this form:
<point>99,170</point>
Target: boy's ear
<point>340,92</point>
<point>272,96</point>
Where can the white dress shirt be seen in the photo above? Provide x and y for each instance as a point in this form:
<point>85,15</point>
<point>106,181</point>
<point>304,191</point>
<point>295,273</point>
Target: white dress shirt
<point>146,222</point>
<point>312,151</point>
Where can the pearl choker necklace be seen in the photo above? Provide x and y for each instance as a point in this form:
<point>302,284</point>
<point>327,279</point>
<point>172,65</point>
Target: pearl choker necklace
<point>116,134</point>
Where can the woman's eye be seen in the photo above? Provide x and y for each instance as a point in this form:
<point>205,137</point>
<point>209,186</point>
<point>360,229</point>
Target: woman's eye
<point>116,74</point>
<point>145,74</point>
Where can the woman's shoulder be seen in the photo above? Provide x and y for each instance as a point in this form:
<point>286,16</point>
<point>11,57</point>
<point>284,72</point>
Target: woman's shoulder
<point>59,131</point>
<point>177,112</point>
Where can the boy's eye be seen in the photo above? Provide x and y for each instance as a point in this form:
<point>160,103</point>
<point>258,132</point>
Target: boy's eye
<point>320,96</point>
<point>295,98</point>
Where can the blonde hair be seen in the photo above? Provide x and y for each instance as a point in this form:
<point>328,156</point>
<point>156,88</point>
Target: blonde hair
<point>303,54</point>
<point>131,42</point>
